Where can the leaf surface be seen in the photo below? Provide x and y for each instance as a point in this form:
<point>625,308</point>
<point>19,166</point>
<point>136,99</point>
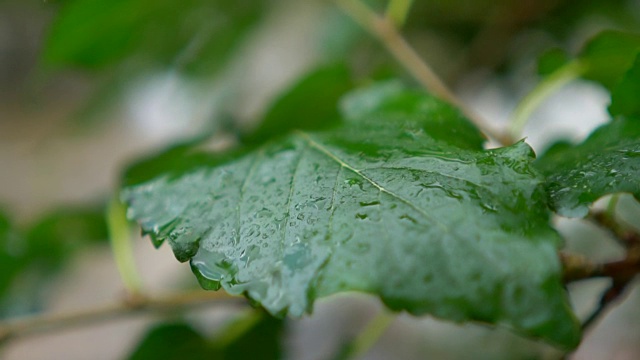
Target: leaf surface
<point>400,200</point>
<point>607,162</point>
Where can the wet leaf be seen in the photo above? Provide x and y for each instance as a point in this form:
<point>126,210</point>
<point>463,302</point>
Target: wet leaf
<point>399,200</point>
<point>607,162</point>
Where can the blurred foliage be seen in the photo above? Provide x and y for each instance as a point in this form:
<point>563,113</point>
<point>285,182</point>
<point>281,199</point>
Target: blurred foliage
<point>193,35</point>
<point>255,336</point>
<point>625,98</point>
<point>29,256</point>
<point>315,97</point>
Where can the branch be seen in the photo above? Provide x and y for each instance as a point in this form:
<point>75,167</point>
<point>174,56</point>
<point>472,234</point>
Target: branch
<point>577,267</point>
<point>383,29</point>
<point>133,305</point>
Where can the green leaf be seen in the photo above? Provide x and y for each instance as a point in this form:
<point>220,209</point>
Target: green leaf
<point>262,340</point>
<point>552,60</point>
<point>173,341</point>
<point>399,200</point>
<point>62,232</point>
<point>12,250</point>
<point>315,97</point>
<point>608,55</point>
<point>607,162</point>
<point>256,336</point>
<point>29,258</point>
<point>191,34</point>
<point>625,99</point>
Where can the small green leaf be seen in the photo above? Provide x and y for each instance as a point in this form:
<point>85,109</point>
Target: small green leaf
<point>608,55</point>
<point>399,200</point>
<point>12,254</point>
<point>607,162</point>
<point>259,338</point>
<point>310,104</point>
<point>625,99</point>
<point>174,341</point>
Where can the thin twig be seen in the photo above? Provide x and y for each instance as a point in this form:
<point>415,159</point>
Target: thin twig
<point>541,92</point>
<point>383,29</point>
<point>612,294</point>
<point>134,305</point>
<point>369,336</point>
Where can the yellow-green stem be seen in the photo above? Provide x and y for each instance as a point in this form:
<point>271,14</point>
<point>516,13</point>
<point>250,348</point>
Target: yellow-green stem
<point>371,334</point>
<point>397,11</point>
<point>239,327</point>
<point>542,91</point>
<point>387,33</point>
<point>120,239</point>
<point>611,206</point>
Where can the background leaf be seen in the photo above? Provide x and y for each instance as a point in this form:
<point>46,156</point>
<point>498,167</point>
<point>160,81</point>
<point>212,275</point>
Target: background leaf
<point>261,340</point>
<point>28,258</point>
<point>625,99</point>
<point>310,104</point>
<point>195,35</point>
<point>388,203</point>
<point>607,162</point>
<point>608,55</point>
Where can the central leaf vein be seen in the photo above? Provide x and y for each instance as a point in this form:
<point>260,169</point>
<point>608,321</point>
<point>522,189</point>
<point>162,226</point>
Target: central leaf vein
<point>331,155</point>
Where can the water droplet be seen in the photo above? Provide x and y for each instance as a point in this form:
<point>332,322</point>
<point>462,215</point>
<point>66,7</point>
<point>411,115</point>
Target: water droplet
<point>371,203</point>
<point>354,182</point>
<point>409,218</point>
<point>489,207</point>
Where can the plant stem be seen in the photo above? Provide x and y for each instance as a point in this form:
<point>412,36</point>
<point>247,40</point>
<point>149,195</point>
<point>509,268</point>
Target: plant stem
<point>120,240</point>
<point>370,334</point>
<point>397,11</point>
<point>388,35</point>
<point>542,91</point>
<point>240,327</point>
<point>48,322</point>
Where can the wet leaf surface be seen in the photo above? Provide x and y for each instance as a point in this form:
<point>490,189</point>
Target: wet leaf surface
<point>607,162</point>
<point>399,200</point>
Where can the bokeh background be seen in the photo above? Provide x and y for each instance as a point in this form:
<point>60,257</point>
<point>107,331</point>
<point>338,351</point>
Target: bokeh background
<point>87,88</point>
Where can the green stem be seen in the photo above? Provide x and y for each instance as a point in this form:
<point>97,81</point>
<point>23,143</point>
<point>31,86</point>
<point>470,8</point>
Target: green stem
<point>611,206</point>
<point>370,334</point>
<point>542,91</point>
<point>397,11</point>
<point>387,33</point>
<point>239,327</point>
<point>120,239</point>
